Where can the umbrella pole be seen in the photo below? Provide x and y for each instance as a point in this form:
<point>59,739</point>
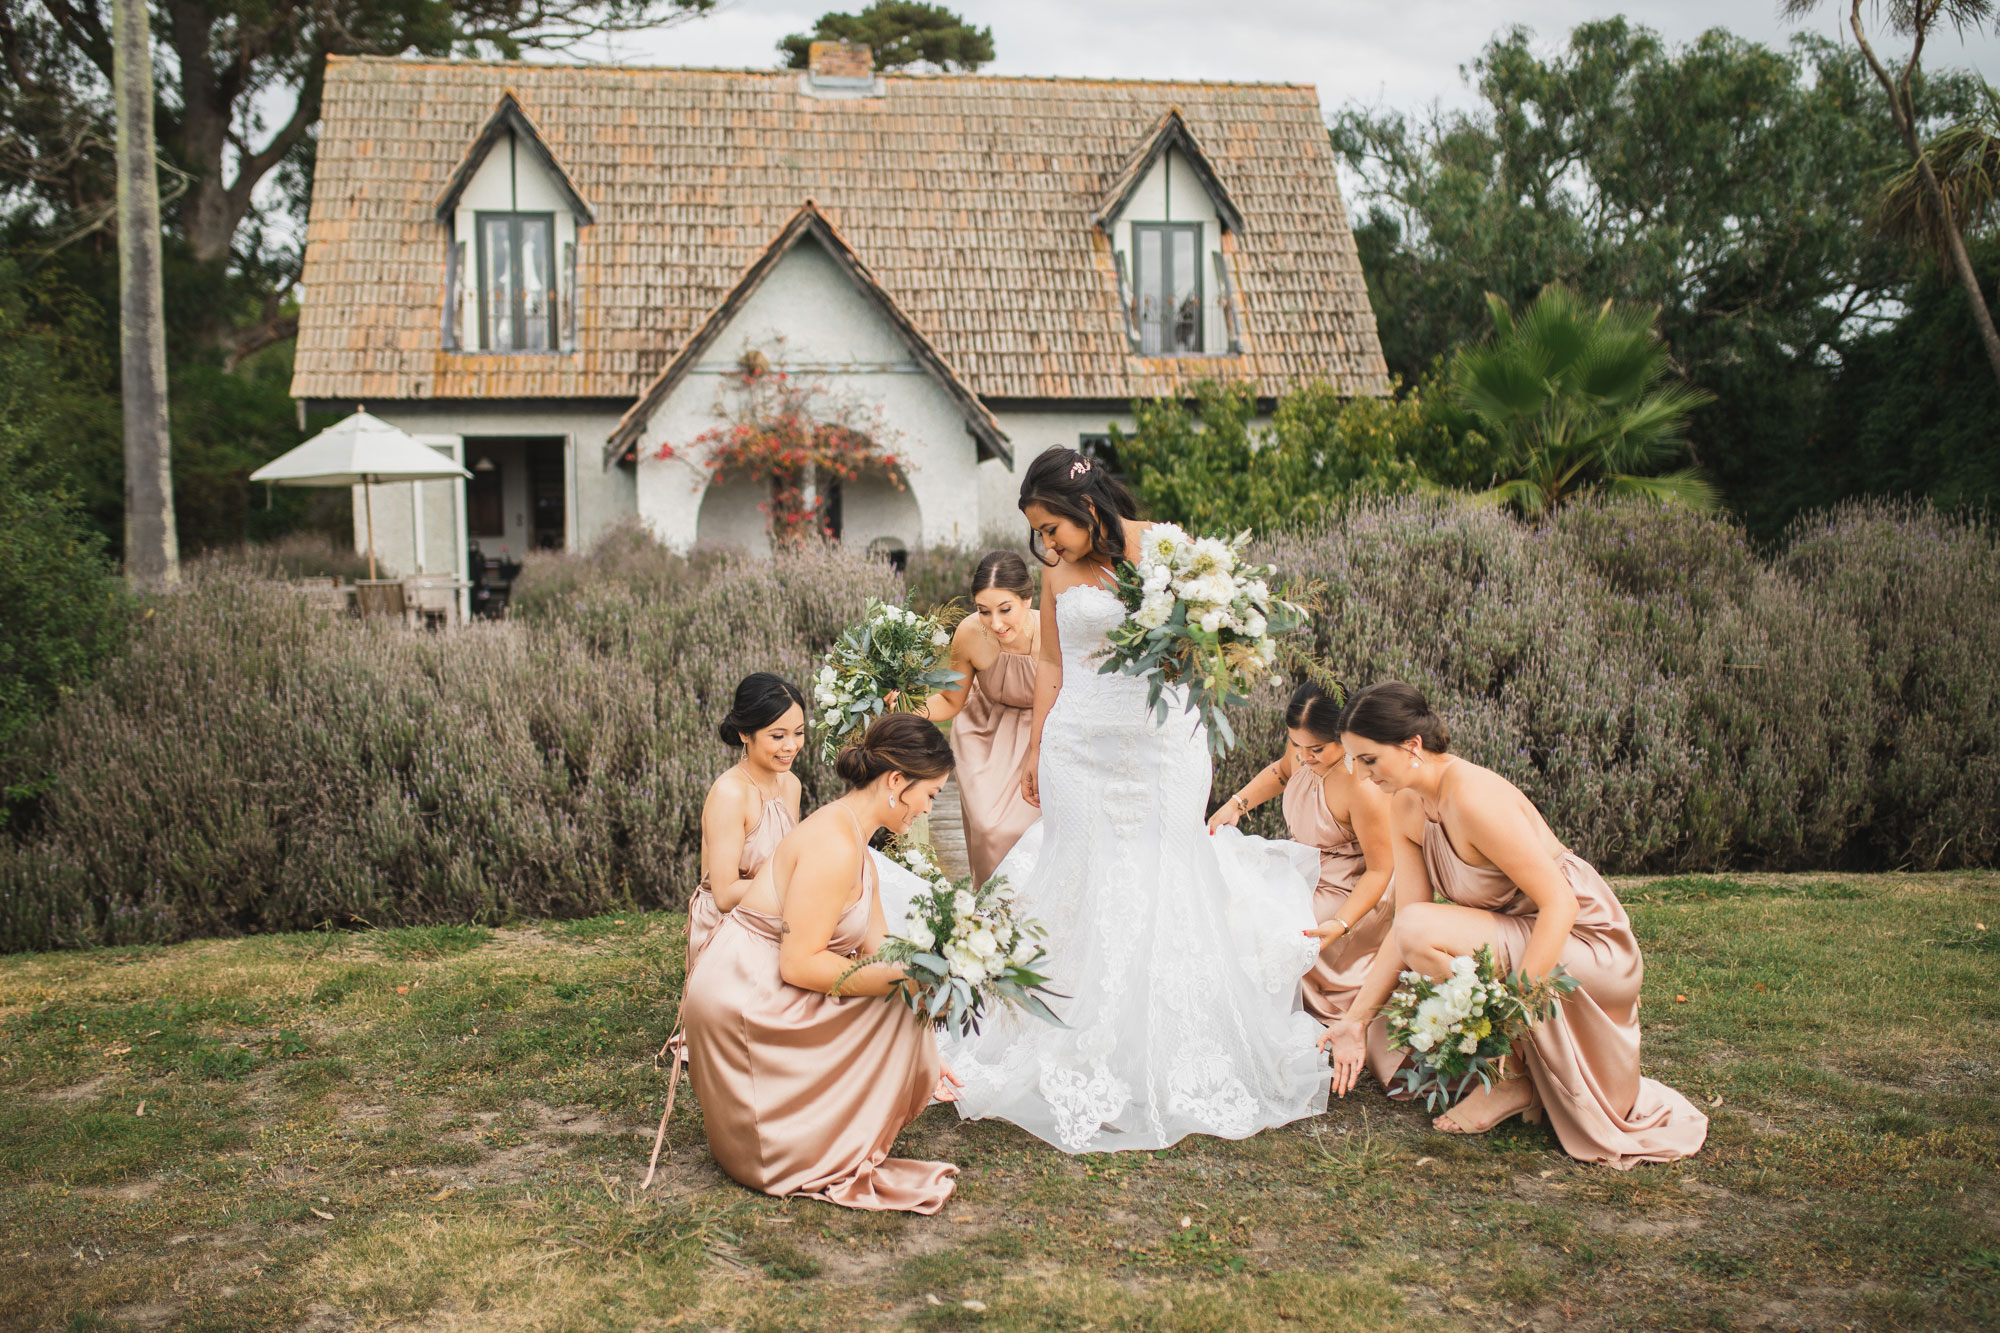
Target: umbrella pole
<point>368,502</point>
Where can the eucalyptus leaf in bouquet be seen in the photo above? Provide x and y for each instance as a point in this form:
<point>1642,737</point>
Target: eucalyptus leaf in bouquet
<point>1457,1030</point>
<point>1200,617</point>
<point>891,652</point>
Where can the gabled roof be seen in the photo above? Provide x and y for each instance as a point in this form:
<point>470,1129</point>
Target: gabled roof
<point>971,198</point>
<point>508,118</point>
<point>1170,132</point>
<point>809,224</point>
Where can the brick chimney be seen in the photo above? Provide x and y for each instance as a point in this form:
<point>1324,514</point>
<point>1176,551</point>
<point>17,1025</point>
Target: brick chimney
<point>840,64</point>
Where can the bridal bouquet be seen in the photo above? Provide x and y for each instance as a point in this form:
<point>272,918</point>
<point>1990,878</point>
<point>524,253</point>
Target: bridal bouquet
<point>1457,1029</point>
<point>1198,614</point>
<point>965,948</point>
<point>891,650</point>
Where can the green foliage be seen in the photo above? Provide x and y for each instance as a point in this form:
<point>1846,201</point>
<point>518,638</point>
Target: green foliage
<point>1668,697</point>
<point>1574,396</point>
<point>1207,464</point>
<point>901,33</point>
<point>1720,181</point>
<point>62,607</point>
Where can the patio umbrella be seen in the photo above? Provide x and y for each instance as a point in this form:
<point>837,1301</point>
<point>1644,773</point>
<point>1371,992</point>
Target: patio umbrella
<point>359,451</point>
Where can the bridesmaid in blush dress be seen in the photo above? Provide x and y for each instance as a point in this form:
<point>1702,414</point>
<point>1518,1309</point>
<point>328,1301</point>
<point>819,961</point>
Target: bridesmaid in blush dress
<point>806,1073</point>
<point>1466,835</point>
<point>1346,820</point>
<point>992,709</point>
<point>751,806</point>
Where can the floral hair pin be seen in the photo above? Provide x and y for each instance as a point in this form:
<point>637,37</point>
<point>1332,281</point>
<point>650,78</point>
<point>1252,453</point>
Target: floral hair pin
<point>1078,468</point>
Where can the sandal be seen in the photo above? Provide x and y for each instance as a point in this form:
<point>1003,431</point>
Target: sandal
<point>1454,1122</point>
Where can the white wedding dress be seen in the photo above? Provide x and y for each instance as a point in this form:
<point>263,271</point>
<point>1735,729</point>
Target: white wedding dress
<point>1180,953</point>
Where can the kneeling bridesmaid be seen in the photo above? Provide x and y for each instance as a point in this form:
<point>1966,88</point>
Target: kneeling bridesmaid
<point>1466,835</point>
<point>806,1073</point>
<point>1347,821</point>
<point>752,805</point>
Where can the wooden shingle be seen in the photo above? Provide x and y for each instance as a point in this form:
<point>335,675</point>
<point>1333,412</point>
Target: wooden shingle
<point>970,199</point>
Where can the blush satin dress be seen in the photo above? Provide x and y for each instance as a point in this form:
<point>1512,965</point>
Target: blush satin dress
<point>1337,973</point>
<point>1584,1060</point>
<point>803,1094</point>
<point>703,914</point>
<point>990,738</point>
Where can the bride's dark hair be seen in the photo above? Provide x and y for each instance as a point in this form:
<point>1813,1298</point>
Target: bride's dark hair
<point>1071,486</point>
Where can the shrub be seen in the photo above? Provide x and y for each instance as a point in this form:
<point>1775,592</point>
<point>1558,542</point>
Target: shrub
<point>1924,588</point>
<point>253,765</point>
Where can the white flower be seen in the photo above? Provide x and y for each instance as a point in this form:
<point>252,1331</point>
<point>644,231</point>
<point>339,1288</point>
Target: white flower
<point>939,638</point>
<point>1024,950</point>
<point>1258,591</point>
<point>1163,542</point>
<point>1154,610</point>
<point>964,904</point>
<point>1211,622</point>
<point>982,944</point>
<point>1267,651</point>
<point>1422,1041</point>
<point>1255,625</point>
<point>1469,1044</point>
<point>915,859</point>
<point>922,935</point>
<point>1157,578</point>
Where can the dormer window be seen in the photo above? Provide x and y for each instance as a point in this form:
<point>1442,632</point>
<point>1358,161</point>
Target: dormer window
<point>1167,304</point>
<point>517,282</point>
<point>1169,222</point>
<point>512,221</point>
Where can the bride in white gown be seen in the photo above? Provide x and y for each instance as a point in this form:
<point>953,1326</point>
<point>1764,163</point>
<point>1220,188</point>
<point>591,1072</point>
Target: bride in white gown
<point>1181,953</point>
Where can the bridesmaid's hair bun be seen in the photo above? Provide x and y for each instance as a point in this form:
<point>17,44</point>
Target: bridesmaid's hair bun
<point>761,699</point>
<point>1082,490</point>
<point>1005,570</point>
<point>897,743</point>
<point>1313,711</point>
<point>1392,712</point>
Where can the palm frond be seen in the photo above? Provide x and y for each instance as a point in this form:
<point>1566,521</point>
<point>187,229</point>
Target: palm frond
<point>1686,486</point>
<point>1523,494</point>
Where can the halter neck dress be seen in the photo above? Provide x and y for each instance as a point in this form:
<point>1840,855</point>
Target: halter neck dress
<point>758,844</point>
<point>1584,1059</point>
<point>990,741</point>
<point>1337,974</point>
<point>802,1093</point>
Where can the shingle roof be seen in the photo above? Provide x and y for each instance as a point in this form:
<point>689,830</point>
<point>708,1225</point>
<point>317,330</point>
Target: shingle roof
<point>808,222</point>
<point>969,198</point>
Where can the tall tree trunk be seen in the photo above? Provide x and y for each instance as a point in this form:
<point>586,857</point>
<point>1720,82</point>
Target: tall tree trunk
<point>1903,111</point>
<point>152,549</point>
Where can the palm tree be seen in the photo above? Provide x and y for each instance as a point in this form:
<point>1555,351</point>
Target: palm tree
<point>1919,20</point>
<point>1965,160</point>
<point>1573,394</point>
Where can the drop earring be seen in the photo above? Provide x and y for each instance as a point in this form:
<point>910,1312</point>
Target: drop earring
<point>892,800</point>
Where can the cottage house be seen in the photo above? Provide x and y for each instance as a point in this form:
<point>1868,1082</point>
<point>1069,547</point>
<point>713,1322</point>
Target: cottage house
<point>557,274</point>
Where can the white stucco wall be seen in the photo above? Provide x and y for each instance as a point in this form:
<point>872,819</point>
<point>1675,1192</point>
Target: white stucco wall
<point>596,498</point>
<point>812,322</point>
<point>1171,192</point>
<point>1030,433</point>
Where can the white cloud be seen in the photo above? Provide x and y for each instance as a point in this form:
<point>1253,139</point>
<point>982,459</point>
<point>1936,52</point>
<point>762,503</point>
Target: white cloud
<point>1400,53</point>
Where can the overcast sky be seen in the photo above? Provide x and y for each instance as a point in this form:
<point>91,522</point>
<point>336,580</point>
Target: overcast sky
<point>1400,53</point>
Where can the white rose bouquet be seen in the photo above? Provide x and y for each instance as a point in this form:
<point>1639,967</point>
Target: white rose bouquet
<point>965,948</point>
<point>891,650</point>
<point>1198,614</point>
<point>1457,1029</point>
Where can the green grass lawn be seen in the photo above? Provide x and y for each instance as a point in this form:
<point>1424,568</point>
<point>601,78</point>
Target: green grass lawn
<point>444,1128</point>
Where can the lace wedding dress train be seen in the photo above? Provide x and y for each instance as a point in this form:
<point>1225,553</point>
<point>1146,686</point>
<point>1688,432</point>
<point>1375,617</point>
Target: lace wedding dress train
<point>1181,953</point>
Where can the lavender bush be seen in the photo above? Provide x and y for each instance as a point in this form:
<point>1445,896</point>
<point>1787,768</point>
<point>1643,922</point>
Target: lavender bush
<point>1670,698</point>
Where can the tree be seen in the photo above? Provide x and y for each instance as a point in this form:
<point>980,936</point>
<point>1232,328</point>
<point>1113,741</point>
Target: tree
<point>237,110</point>
<point>152,551</point>
<point>1964,161</point>
<point>1918,20</point>
<point>901,33</point>
<point>1576,398</point>
<point>1717,181</point>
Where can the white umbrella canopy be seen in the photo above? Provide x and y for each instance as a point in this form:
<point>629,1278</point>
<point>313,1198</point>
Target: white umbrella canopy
<point>360,450</point>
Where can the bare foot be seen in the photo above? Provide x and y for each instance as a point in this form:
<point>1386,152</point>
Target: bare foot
<point>1487,1107</point>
